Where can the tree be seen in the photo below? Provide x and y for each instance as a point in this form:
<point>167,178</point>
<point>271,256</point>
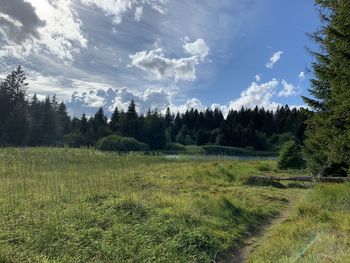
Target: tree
<point>12,91</point>
<point>48,125</point>
<point>291,156</point>
<point>328,131</point>
<point>114,123</point>
<point>131,114</point>
<point>16,129</point>
<point>64,121</point>
<point>154,131</point>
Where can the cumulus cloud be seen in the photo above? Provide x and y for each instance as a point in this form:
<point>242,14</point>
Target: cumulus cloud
<point>97,95</point>
<point>301,76</point>
<point>18,21</point>
<point>274,59</point>
<point>62,35</point>
<point>288,89</point>
<point>45,26</point>
<point>159,67</point>
<point>198,48</point>
<point>193,103</point>
<point>256,95</point>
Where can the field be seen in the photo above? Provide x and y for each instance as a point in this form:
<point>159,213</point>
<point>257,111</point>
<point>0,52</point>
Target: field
<point>70,205</point>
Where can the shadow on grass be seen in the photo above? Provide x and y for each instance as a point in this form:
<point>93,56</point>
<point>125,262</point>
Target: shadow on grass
<point>264,181</point>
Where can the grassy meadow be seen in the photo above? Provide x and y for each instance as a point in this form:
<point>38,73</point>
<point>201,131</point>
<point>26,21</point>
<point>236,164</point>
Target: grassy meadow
<point>80,205</point>
<point>318,230</point>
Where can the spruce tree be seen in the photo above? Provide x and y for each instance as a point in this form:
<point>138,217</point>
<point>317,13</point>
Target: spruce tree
<point>328,133</point>
<point>16,128</point>
<point>131,114</point>
<point>113,125</point>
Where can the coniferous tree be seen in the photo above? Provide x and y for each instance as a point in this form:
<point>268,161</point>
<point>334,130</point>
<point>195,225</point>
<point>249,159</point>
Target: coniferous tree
<point>114,123</point>
<point>131,114</point>
<point>48,125</point>
<point>17,126</point>
<point>328,132</point>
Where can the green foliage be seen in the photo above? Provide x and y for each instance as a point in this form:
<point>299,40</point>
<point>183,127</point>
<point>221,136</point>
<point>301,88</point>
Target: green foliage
<point>194,149</point>
<point>114,143</point>
<point>175,147</point>
<point>50,125</point>
<point>16,129</point>
<point>291,156</point>
<point>328,129</point>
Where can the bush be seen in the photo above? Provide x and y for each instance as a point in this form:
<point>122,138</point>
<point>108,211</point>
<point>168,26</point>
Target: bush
<point>291,156</point>
<point>175,147</point>
<point>194,149</point>
<point>116,143</point>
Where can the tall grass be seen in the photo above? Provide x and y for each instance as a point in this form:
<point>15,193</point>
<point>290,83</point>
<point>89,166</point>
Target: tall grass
<point>318,231</point>
<point>79,205</point>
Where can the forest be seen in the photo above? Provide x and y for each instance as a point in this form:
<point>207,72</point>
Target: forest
<point>31,122</point>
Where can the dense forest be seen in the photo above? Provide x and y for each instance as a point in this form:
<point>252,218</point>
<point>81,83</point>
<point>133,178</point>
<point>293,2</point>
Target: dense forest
<point>31,122</point>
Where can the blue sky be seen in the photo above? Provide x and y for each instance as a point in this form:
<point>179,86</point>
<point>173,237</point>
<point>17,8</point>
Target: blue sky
<point>176,53</point>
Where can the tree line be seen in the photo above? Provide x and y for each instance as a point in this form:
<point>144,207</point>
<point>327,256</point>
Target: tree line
<point>31,122</point>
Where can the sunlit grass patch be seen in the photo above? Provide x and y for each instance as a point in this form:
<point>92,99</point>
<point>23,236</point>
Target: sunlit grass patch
<point>317,231</point>
<point>81,205</point>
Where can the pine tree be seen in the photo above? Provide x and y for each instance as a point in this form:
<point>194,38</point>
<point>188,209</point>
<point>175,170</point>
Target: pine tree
<point>114,123</point>
<point>131,114</point>
<point>168,117</point>
<point>48,125</point>
<point>84,124</point>
<point>64,121</point>
<point>328,133</point>
<point>12,91</point>
<point>17,126</point>
<point>291,157</point>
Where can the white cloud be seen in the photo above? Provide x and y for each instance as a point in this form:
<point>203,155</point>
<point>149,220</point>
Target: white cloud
<point>97,95</point>
<point>256,95</point>
<point>198,48</point>
<point>257,78</point>
<point>118,8</point>
<point>274,59</point>
<point>193,103</point>
<point>58,32</point>
<point>62,34</point>
<point>160,67</point>
<point>288,89</point>
<point>138,13</point>
<point>301,76</point>
<point>114,8</point>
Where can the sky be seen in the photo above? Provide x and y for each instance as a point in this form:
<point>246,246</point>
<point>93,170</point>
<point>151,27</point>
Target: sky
<point>180,54</point>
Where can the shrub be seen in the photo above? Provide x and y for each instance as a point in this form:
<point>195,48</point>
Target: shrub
<point>194,149</point>
<point>116,143</point>
<point>175,147</point>
<point>291,156</point>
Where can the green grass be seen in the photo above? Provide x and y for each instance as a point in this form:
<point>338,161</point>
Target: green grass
<point>80,205</point>
<point>226,150</point>
<point>70,205</point>
<point>317,231</point>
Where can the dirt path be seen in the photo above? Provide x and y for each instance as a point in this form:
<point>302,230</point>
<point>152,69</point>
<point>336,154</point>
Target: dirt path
<point>250,244</point>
